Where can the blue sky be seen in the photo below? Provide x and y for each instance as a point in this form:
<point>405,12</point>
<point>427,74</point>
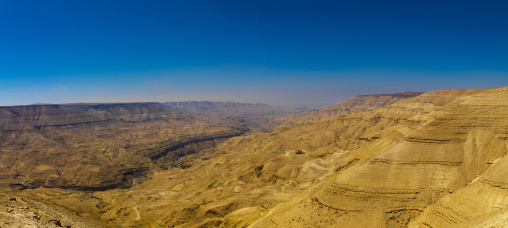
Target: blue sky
<point>290,53</point>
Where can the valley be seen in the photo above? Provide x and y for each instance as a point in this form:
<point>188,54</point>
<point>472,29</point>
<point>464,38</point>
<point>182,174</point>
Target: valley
<point>388,160</point>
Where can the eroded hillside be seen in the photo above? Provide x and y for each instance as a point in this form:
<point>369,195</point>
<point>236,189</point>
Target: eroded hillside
<point>395,166</point>
<point>20,212</point>
<point>102,146</point>
<point>437,159</point>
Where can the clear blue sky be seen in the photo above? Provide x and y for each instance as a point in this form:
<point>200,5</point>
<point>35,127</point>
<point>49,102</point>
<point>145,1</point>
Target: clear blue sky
<point>278,52</point>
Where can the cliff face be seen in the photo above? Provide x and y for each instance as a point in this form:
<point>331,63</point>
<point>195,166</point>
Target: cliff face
<point>39,116</point>
<point>361,103</point>
<point>30,117</point>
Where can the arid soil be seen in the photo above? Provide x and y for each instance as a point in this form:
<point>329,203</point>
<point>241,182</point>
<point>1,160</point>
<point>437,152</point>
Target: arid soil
<point>23,212</point>
<point>104,146</point>
<point>433,160</point>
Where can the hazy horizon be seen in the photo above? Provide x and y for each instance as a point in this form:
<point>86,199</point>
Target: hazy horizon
<point>290,54</point>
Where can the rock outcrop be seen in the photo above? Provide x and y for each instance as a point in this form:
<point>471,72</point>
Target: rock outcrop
<point>20,212</point>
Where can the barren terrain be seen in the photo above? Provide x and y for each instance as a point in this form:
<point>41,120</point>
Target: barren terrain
<point>416,160</point>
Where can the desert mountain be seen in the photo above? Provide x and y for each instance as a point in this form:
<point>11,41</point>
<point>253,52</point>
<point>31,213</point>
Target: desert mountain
<point>433,160</point>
